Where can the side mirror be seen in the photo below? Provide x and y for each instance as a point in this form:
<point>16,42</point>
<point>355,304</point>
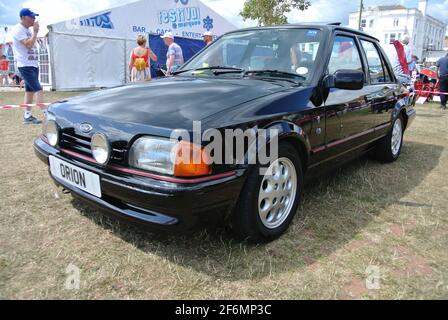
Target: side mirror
<point>345,79</point>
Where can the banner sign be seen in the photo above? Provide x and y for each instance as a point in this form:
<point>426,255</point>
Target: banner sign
<point>184,18</point>
<point>100,21</point>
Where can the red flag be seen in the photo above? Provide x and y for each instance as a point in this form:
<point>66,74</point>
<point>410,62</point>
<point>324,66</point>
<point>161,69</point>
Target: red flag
<point>401,56</point>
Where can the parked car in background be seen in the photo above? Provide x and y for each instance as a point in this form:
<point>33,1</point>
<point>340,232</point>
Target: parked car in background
<point>329,92</point>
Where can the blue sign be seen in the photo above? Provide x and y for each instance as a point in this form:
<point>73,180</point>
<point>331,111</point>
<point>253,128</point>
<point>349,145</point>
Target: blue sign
<point>138,29</point>
<point>100,21</point>
<point>178,18</point>
<point>208,23</point>
<point>312,33</point>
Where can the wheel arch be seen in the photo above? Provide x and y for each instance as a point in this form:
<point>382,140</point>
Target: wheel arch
<point>404,114</point>
<point>401,109</point>
<point>294,135</point>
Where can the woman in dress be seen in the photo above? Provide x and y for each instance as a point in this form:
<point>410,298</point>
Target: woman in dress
<point>140,61</point>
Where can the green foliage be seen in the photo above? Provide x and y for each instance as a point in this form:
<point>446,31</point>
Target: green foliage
<point>271,12</point>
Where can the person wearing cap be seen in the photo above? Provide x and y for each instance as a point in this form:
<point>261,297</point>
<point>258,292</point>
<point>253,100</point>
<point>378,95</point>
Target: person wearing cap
<point>174,55</point>
<point>208,37</point>
<point>27,56</point>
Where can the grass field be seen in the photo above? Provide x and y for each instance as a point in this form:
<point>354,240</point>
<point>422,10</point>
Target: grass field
<point>367,221</point>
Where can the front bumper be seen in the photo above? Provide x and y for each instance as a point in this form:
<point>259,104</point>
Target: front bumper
<point>155,203</point>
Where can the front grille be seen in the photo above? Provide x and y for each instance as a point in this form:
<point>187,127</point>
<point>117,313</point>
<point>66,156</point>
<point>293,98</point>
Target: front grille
<point>81,144</point>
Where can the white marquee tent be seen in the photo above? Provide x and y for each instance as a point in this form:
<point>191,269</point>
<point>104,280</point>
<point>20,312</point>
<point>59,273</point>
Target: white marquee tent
<point>93,51</point>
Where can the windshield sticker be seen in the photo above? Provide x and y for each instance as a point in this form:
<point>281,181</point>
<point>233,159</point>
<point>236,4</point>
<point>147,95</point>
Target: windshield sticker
<point>302,71</point>
<point>312,33</point>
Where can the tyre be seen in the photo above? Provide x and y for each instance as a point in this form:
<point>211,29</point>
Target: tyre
<point>268,202</point>
<point>389,148</point>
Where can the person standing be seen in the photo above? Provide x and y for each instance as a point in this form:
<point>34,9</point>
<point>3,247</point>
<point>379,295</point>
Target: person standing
<point>413,64</point>
<point>407,50</point>
<point>140,61</point>
<point>208,38</point>
<point>27,56</point>
<point>4,69</point>
<point>174,55</point>
<point>400,56</point>
<point>442,70</point>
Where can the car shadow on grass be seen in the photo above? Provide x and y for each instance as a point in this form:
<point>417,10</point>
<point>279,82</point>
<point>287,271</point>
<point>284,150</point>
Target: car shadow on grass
<point>334,211</point>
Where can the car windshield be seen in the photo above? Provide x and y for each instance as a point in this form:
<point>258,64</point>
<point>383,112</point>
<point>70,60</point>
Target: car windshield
<point>275,53</point>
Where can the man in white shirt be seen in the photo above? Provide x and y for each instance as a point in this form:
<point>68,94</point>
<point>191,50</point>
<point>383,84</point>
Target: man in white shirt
<point>27,57</point>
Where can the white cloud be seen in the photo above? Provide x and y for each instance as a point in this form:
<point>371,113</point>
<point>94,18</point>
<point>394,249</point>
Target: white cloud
<point>51,11</point>
<point>439,10</point>
<point>325,11</point>
<point>230,9</point>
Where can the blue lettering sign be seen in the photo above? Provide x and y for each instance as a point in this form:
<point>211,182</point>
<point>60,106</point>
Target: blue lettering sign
<point>101,21</point>
<point>181,17</point>
<point>312,33</point>
<point>138,29</point>
<point>208,23</point>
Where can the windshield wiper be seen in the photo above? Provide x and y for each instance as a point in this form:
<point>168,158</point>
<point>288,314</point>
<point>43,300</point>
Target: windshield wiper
<point>275,72</point>
<point>233,69</point>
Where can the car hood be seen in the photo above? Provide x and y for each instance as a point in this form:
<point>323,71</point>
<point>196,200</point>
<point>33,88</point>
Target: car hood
<point>167,103</point>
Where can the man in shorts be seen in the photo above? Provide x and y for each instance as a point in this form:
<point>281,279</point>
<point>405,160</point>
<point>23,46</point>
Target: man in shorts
<point>27,55</point>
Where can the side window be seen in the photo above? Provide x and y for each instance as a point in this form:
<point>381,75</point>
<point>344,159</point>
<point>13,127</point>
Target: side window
<point>375,63</point>
<point>345,55</point>
<point>387,75</point>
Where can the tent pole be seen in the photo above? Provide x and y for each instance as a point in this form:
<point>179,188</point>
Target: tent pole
<point>51,59</point>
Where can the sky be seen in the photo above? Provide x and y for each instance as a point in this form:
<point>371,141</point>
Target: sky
<point>52,11</point>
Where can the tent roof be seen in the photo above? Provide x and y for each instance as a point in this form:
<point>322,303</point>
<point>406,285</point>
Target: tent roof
<point>185,18</point>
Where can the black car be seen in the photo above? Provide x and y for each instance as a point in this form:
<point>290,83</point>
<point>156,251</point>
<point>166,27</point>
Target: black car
<point>324,93</point>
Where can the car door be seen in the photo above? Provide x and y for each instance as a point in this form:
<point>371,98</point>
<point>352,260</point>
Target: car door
<point>349,120</point>
<point>381,90</point>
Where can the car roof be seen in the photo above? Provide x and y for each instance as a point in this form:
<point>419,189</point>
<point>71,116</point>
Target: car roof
<point>330,26</point>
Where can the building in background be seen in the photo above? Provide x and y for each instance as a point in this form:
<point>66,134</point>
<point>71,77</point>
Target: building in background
<point>389,23</point>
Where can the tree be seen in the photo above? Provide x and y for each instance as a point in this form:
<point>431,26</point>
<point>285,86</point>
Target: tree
<point>270,12</point>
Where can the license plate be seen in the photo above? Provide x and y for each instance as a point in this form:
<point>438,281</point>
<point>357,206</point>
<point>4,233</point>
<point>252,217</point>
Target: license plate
<point>75,176</point>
